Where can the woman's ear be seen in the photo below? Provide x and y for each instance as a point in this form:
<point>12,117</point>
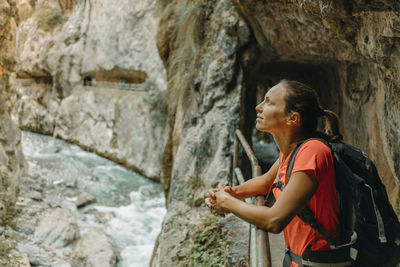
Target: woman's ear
<point>293,118</point>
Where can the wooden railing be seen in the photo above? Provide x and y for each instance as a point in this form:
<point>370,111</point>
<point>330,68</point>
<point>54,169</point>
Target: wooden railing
<point>259,250</point>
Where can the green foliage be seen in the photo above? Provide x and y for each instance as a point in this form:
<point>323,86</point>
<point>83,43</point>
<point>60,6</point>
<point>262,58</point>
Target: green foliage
<point>8,210</point>
<point>6,245</point>
<point>8,214</point>
<point>49,18</point>
<point>207,246</point>
<point>8,242</point>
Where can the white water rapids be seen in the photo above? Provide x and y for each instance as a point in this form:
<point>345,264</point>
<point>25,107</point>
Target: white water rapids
<point>134,205</point>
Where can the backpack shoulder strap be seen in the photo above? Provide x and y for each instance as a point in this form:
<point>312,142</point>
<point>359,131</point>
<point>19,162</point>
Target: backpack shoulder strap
<point>278,183</point>
<point>306,215</point>
<point>292,158</point>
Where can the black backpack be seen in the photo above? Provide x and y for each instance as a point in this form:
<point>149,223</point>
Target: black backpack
<point>369,225</point>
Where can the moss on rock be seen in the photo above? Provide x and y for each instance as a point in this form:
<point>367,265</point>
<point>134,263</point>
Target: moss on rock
<point>207,245</point>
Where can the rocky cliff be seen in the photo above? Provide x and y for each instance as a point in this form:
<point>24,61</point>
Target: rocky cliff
<point>11,158</point>
<point>89,72</point>
<point>221,56</point>
<point>201,44</point>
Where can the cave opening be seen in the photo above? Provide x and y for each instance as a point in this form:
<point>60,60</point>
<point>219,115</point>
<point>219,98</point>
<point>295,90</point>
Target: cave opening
<point>322,77</point>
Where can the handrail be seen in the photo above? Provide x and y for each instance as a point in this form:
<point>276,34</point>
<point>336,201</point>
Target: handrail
<point>259,251</point>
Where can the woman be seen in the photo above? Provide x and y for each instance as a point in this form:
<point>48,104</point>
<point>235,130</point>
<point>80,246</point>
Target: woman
<point>290,112</point>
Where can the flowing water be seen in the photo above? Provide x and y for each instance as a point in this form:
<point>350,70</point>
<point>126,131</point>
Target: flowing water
<point>134,206</point>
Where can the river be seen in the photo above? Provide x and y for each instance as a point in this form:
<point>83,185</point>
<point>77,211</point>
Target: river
<point>135,205</point>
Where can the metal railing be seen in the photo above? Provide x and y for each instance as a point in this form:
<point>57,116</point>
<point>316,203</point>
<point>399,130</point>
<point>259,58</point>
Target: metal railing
<point>259,250</point>
<point>117,85</point>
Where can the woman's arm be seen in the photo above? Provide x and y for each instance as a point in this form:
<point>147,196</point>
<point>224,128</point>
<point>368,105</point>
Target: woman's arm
<point>259,185</point>
<point>293,199</point>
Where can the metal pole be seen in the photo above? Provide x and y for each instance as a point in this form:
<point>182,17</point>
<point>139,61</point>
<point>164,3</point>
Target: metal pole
<point>235,157</point>
<point>247,149</point>
<point>260,253</point>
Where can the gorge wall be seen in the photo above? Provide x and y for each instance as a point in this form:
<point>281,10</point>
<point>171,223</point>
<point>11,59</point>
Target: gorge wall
<point>89,73</point>
<point>200,43</point>
<point>11,158</point>
<point>12,162</point>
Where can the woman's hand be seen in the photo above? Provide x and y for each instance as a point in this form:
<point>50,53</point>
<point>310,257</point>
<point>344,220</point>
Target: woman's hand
<point>211,193</point>
<point>211,201</point>
<point>221,197</point>
<point>230,190</point>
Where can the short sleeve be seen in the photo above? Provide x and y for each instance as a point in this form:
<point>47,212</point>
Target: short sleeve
<point>315,157</point>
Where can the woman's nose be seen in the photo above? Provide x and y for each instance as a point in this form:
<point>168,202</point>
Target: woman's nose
<point>258,108</point>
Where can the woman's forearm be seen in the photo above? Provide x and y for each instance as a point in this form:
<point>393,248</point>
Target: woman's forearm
<point>256,186</point>
<point>259,185</point>
<point>260,216</point>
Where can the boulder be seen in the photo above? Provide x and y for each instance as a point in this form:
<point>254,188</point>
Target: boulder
<point>57,228</point>
<point>94,249</point>
<point>38,255</point>
<point>84,199</point>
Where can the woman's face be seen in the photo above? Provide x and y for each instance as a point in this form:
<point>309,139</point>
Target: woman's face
<point>271,116</point>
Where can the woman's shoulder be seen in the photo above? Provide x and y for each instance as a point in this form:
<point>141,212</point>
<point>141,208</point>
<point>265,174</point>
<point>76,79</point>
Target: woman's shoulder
<point>314,155</point>
<point>316,146</point>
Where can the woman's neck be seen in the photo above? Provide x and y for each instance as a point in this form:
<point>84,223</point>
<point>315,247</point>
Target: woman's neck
<point>287,142</point>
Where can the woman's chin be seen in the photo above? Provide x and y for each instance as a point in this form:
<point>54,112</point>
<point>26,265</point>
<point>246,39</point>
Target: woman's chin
<point>258,127</point>
<point>261,129</point>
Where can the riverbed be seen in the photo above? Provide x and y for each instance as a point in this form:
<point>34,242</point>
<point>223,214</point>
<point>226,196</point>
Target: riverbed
<point>132,207</point>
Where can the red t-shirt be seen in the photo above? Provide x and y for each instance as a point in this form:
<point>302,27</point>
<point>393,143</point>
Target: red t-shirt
<point>314,156</point>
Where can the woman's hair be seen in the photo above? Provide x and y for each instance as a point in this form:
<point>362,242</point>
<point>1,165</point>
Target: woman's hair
<point>304,100</point>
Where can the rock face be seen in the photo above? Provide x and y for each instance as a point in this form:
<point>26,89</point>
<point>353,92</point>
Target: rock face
<point>127,128</point>
<point>229,52</point>
<point>200,43</point>
<point>79,65</point>
<point>34,108</point>
<point>11,158</point>
<point>94,249</point>
<point>65,44</point>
